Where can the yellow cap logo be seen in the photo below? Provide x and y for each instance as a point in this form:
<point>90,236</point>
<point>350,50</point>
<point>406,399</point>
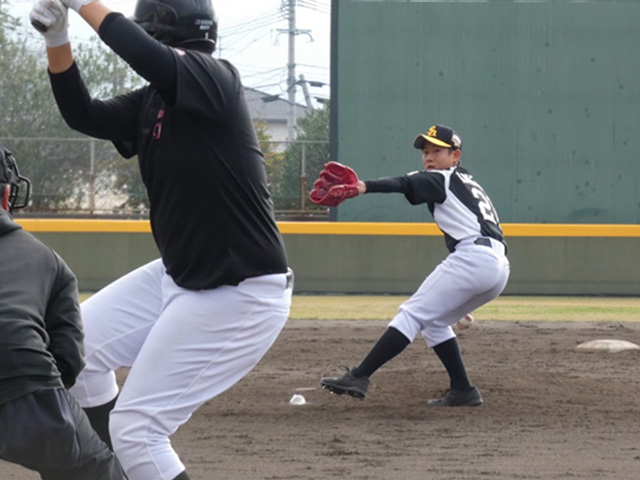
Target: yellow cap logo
<point>432,132</point>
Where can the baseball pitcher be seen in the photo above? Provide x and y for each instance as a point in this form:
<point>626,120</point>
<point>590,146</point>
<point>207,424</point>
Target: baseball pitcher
<point>474,273</point>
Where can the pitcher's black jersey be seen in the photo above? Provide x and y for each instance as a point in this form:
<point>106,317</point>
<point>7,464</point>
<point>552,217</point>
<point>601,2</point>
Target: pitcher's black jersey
<point>459,205</point>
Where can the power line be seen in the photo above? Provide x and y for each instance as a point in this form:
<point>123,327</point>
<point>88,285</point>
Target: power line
<point>278,70</point>
<point>315,5</point>
<point>313,66</point>
<point>252,25</point>
<point>239,23</point>
<point>248,41</point>
<point>256,87</point>
<point>268,81</point>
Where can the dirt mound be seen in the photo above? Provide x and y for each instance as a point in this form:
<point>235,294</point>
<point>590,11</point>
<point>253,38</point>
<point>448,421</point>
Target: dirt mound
<point>550,411</point>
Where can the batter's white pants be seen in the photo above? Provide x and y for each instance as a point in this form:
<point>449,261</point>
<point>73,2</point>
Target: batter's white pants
<point>468,278</point>
<point>184,347</point>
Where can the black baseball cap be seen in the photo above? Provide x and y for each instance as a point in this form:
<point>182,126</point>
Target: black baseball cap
<point>440,135</point>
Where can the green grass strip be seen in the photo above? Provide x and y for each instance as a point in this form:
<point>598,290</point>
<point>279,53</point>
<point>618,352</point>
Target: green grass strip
<point>507,308</point>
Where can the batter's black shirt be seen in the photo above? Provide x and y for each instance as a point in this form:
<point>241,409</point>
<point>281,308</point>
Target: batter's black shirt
<point>41,337</point>
<point>199,156</point>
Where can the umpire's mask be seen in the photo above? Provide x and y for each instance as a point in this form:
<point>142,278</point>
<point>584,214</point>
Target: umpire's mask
<point>15,189</point>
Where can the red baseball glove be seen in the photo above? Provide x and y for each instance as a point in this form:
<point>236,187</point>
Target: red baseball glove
<point>335,184</point>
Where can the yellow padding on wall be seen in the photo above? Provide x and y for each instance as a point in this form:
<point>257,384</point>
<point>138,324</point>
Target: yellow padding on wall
<point>77,225</point>
<point>342,228</point>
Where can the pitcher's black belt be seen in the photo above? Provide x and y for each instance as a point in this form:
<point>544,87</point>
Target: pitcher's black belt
<point>483,241</point>
<point>486,242</point>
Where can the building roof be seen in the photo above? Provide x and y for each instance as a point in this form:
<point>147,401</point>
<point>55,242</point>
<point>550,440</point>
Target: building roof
<point>275,111</point>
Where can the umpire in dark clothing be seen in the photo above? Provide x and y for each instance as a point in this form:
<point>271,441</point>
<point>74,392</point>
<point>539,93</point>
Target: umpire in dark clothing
<point>41,353</point>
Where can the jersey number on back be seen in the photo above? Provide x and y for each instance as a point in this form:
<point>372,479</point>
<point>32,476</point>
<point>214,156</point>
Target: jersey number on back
<point>489,213</point>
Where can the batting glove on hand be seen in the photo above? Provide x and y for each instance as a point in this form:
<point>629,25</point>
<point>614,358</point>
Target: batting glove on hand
<point>76,4</point>
<point>49,17</point>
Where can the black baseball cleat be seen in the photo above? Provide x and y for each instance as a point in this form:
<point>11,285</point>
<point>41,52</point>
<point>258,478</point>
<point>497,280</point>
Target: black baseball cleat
<point>347,383</point>
<point>458,398</point>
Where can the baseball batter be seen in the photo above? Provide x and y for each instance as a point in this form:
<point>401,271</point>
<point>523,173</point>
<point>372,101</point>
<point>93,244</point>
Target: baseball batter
<point>474,273</point>
<point>194,322</point>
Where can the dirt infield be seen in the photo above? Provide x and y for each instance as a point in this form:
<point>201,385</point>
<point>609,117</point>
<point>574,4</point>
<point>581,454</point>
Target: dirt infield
<point>550,412</point>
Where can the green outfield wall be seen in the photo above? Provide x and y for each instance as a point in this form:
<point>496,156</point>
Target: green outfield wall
<point>545,95</point>
<point>377,258</point>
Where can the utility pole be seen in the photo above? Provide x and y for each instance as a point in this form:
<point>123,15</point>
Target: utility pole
<point>305,90</point>
<point>291,73</point>
<point>1,23</point>
<point>292,31</point>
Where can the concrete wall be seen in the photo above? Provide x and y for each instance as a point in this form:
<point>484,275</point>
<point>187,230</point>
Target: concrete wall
<point>98,258</point>
<point>356,258</point>
<point>539,266</point>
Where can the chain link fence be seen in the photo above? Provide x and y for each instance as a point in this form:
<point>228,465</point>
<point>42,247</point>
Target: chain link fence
<point>85,177</point>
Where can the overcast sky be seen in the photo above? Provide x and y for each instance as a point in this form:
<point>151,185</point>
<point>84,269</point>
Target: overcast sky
<point>251,38</point>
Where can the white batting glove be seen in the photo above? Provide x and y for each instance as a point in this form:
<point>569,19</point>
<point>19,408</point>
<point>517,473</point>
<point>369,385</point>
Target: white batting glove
<point>77,4</point>
<point>49,17</point>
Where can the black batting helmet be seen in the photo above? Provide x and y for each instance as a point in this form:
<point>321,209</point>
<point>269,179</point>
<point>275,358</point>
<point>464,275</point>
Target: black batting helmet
<point>15,189</point>
<point>179,22</point>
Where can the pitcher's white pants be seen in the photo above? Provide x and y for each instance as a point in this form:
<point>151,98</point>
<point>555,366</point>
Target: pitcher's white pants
<point>184,348</point>
<point>468,278</point>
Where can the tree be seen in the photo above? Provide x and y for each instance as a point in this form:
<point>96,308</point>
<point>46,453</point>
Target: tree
<point>68,170</point>
<point>60,162</point>
<point>27,109</point>
<point>311,148</point>
<point>118,180</point>
<point>274,159</point>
